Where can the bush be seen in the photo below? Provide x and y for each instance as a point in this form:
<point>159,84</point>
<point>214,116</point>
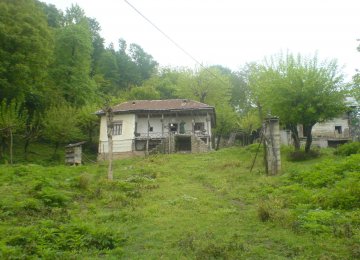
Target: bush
<point>348,149</point>
<point>49,239</point>
<point>298,156</point>
<point>52,198</point>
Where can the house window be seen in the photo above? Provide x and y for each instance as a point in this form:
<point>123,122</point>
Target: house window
<point>117,128</point>
<point>338,129</point>
<point>200,126</point>
<point>173,127</point>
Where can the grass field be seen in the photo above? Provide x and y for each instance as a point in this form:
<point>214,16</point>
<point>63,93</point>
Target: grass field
<point>182,206</point>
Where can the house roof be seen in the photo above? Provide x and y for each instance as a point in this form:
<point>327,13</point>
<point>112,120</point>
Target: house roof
<point>159,105</point>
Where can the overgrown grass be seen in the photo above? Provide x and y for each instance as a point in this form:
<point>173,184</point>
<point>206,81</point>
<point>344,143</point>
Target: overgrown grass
<point>202,206</point>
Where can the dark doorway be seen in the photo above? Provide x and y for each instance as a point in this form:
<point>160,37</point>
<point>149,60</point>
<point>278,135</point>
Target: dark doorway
<point>338,129</point>
<point>183,143</point>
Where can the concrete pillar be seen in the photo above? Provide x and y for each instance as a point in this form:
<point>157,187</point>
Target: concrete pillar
<point>272,144</point>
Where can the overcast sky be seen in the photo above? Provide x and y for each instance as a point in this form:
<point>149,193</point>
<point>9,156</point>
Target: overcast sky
<point>231,32</point>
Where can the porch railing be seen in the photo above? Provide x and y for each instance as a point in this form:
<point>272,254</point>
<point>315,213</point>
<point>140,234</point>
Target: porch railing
<point>159,135</point>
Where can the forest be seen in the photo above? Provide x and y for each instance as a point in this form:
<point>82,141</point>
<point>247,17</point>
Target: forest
<point>55,72</point>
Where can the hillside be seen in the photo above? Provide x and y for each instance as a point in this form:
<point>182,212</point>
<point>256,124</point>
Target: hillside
<point>205,206</point>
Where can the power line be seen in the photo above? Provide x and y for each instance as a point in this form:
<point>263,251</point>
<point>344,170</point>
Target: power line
<point>174,42</point>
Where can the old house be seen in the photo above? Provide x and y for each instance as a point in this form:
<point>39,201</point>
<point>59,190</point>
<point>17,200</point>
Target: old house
<point>337,130</point>
<point>332,132</point>
<point>164,126</point>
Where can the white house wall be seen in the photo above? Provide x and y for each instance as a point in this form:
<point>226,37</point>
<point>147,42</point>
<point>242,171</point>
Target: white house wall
<point>123,142</point>
<point>327,129</point>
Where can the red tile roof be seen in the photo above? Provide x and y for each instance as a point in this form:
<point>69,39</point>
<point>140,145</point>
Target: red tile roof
<point>160,105</point>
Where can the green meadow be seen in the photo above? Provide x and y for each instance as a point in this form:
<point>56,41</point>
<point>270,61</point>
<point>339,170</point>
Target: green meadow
<point>183,206</point>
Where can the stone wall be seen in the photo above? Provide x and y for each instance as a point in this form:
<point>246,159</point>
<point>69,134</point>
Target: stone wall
<point>198,145</point>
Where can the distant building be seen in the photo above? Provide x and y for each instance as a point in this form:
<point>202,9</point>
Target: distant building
<point>332,132</point>
<point>158,126</point>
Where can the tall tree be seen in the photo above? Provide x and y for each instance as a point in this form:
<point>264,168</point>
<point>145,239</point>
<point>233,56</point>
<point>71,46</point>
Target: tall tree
<point>26,46</point>
<point>12,119</point>
<point>208,85</point>
<point>302,90</point>
<point>146,65</point>
<point>61,125</point>
<point>55,17</point>
<point>72,66</point>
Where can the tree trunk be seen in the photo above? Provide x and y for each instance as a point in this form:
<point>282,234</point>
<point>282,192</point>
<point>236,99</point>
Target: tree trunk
<point>11,146</point>
<point>110,154</point>
<point>218,142</point>
<point>307,130</point>
<point>26,147</point>
<point>295,137</point>
<point>110,128</point>
<point>56,148</point>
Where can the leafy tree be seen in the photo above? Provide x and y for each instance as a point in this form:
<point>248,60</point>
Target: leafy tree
<point>26,46</point>
<point>72,66</point>
<point>109,69</point>
<point>88,122</point>
<point>12,119</point>
<point>301,90</point>
<point>33,130</point>
<point>226,121</point>
<point>207,85</point>
<point>143,93</point>
<point>60,125</point>
<point>97,45</point>
<point>55,17</point>
<point>145,64</point>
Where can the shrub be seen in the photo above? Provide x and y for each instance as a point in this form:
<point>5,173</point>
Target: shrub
<point>348,149</point>
<point>52,198</point>
<point>83,181</point>
<point>297,156</point>
<point>316,221</point>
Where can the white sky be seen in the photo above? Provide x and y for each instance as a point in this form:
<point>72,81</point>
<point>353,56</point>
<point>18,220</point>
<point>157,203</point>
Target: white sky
<point>231,32</point>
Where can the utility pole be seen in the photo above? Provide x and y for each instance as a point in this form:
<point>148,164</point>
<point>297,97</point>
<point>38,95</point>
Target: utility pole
<point>110,127</point>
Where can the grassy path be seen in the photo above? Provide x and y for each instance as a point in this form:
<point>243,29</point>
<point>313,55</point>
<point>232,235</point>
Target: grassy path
<point>182,206</point>
<point>205,206</point>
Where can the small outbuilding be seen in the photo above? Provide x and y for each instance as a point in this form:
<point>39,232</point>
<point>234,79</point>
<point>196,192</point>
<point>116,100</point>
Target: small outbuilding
<point>73,153</point>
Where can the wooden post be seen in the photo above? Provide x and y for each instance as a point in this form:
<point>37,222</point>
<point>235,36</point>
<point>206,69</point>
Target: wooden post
<point>147,138</point>
<point>208,125</point>
<point>11,146</point>
<point>162,125</point>
<point>110,126</point>
<point>170,141</point>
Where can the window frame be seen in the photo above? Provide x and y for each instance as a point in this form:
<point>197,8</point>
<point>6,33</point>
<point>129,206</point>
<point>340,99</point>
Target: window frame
<point>117,128</point>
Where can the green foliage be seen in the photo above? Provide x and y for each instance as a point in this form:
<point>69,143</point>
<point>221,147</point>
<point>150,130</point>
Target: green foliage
<point>12,118</point>
<point>52,198</point>
<point>60,125</point>
<point>297,156</point>
<point>72,65</point>
<point>299,90</point>
<point>226,120</point>
<point>348,149</point>
<point>180,206</point>
<point>321,200</point>
<point>143,93</point>
<point>207,85</point>
<point>25,49</point>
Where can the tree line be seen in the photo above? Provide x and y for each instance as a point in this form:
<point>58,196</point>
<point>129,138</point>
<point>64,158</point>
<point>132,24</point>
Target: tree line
<point>55,72</point>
